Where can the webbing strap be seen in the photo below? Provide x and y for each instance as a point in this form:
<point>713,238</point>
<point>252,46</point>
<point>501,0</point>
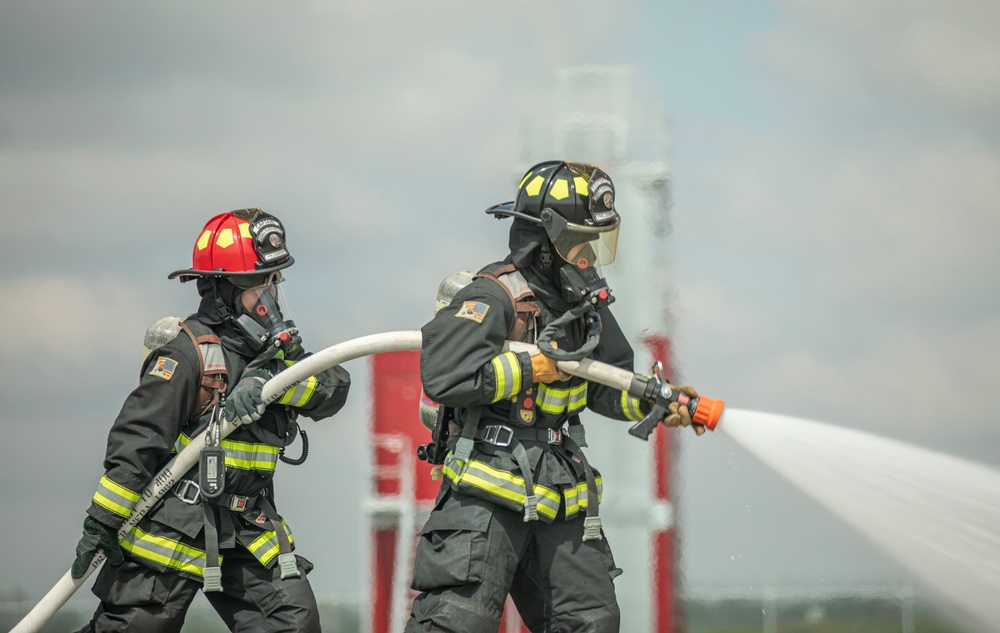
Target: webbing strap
<point>465,444</point>
<point>576,432</point>
<point>592,522</point>
<point>211,387</point>
<point>286,560</point>
<point>213,573</point>
<point>530,500</point>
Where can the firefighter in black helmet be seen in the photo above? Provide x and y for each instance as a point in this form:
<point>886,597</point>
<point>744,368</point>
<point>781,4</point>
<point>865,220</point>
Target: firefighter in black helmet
<point>517,512</point>
<point>230,542</point>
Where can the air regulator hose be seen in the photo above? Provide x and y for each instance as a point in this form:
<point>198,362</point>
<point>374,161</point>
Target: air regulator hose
<point>559,325</point>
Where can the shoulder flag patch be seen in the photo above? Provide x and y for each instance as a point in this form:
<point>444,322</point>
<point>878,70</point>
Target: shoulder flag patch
<point>164,368</point>
<point>473,311</point>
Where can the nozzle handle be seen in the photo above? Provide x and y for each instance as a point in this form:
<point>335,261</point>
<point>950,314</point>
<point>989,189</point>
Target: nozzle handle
<point>644,427</point>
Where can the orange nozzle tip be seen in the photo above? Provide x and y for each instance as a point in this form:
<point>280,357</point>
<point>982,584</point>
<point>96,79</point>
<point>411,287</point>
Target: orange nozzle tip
<point>708,412</point>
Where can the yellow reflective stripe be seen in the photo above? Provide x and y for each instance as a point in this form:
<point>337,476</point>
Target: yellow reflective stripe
<point>507,373</point>
<point>300,393</point>
<point>631,407</point>
<point>555,400</point>
<point>247,456</point>
<point>165,551</point>
<point>266,546</point>
<point>548,503</point>
<point>241,455</point>
<point>503,484</point>
<point>576,497</point>
<point>115,497</point>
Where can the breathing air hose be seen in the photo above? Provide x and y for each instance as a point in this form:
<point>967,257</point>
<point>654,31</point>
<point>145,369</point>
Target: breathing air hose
<point>559,325</point>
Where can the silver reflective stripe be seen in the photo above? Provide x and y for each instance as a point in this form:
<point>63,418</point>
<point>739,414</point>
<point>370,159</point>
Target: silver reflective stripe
<point>265,547</point>
<point>556,400</point>
<point>576,497</point>
<point>507,373</point>
<point>241,455</point>
<point>502,484</point>
<point>300,394</point>
<point>631,407</point>
<point>164,551</point>
<point>115,497</point>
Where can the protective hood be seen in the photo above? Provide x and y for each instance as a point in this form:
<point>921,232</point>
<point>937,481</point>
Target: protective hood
<point>526,238</point>
<point>211,313</point>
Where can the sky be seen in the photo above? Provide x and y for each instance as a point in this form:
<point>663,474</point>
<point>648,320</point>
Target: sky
<point>835,174</point>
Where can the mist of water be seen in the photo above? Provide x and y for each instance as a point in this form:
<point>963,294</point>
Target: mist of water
<point>936,514</point>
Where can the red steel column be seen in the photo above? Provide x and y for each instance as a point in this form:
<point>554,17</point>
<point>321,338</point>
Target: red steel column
<point>395,396</point>
<point>664,541</point>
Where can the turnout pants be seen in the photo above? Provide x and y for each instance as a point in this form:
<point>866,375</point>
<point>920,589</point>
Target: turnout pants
<point>472,553</point>
<point>253,598</point>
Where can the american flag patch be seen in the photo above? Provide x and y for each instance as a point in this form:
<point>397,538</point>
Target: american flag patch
<point>473,311</point>
<point>164,368</point>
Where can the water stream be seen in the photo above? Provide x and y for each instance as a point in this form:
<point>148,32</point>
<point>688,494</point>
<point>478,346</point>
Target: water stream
<point>936,514</point>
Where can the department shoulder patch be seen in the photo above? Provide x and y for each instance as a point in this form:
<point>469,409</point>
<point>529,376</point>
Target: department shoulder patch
<point>164,368</point>
<point>473,311</point>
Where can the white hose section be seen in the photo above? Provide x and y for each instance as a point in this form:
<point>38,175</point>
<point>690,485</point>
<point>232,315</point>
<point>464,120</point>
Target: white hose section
<point>320,361</point>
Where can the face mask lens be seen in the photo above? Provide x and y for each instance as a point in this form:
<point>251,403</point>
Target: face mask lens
<point>265,303</point>
<point>585,246</point>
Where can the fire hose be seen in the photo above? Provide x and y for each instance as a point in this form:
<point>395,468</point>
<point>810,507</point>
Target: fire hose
<point>642,387</point>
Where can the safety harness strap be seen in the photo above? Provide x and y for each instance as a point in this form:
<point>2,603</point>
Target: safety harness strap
<point>526,310</point>
<point>286,560</point>
<point>211,388</point>
<point>465,444</point>
<point>213,572</point>
<point>576,432</point>
<point>530,500</point>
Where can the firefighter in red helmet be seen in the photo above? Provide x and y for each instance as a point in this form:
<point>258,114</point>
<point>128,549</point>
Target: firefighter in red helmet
<point>226,539</point>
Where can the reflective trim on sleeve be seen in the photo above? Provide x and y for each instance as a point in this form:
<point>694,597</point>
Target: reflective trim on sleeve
<point>631,407</point>
<point>115,498</point>
<point>300,394</point>
<point>555,400</point>
<point>507,373</point>
<point>165,551</point>
<point>265,547</point>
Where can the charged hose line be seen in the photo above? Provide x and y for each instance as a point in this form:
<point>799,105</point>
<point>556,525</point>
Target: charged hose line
<point>603,373</point>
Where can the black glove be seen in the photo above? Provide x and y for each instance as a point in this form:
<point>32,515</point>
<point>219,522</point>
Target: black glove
<point>244,402</point>
<point>96,536</point>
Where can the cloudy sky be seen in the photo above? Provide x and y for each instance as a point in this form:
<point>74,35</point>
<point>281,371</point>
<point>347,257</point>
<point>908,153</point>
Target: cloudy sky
<point>836,172</point>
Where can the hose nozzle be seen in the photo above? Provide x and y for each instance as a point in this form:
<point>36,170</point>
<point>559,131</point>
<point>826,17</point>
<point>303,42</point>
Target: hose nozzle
<point>705,412</point>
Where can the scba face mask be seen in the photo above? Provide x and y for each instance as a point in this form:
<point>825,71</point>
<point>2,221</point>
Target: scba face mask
<point>262,308</point>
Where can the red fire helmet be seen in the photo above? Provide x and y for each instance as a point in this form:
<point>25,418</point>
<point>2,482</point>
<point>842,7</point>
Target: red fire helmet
<point>238,243</point>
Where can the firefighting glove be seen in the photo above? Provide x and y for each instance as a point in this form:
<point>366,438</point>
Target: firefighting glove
<point>543,369</point>
<point>96,536</point>
<point>244,403</point>
<point>679,414</point>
